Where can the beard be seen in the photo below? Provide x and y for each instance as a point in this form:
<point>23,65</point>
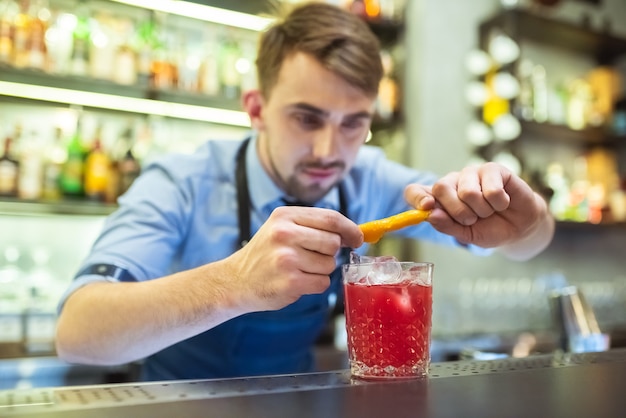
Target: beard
<point>312,192</point>
<point>296,188</point>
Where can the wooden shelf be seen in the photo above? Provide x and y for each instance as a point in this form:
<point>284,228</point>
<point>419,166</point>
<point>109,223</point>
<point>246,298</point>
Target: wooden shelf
<point>18,207</point>
<point>92,85</point>
<point>564,135</point>
<point>523,25</point>
<point>585,225</point>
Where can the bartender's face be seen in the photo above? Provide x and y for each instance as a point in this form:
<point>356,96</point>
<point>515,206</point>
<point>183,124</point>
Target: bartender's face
<point>310,128</point>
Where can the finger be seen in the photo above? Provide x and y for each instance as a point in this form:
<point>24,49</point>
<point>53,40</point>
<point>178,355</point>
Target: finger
<point>446,194</point>
<point>298,258</point>
<point>493,178</point>
<point>325,220</point>
<point>309,283</point>
<point>309,270</point>
<point>520,195</point>
<point>295,235</point>
<point>419,196</point>
<point>443,223</point>
<point>471,192</point>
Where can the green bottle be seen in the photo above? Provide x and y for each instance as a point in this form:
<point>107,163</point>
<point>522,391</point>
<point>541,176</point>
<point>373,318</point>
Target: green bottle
<point>72,175</point>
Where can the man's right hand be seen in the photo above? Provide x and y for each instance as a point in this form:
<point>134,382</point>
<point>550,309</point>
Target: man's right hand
<point>291,255</point>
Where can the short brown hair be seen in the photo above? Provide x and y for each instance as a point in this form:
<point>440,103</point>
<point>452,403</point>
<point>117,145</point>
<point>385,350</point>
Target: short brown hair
<point>341,41</point>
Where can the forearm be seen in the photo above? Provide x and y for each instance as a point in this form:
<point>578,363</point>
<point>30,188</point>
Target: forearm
<point>538,238</point>
<point>114,323</point>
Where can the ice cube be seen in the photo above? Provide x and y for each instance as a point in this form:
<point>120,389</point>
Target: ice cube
<point>383,259</point>
<point>355,258</point>
<point>419,275</point>
<point>388,271</point>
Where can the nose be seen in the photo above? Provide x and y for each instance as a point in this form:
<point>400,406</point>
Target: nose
<point>325,142</point>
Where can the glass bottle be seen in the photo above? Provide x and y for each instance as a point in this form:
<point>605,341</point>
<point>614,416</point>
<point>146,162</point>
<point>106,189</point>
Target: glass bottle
<point>209,81</point>
<point>246,65</point>
<point>39,16</point>
<point>128,166</point>
<point>540,93</point>
<point>102,47</point>
<point>145,42</point>
<point>97,165</point>
<point>188,63</point>
<point>31,168</point>
<point>161,76</point>
<point>81,39</point>
<point>230,78</point>
<point>59,42</point>
<point>9,170</point>
<point>74,167</point>
<point>8,11</point>
<point>56,155</point>
<point>21,26</point>
<point>125,61</point>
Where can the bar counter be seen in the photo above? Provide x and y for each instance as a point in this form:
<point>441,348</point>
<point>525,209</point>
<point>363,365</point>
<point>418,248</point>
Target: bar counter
<point>550,385</point>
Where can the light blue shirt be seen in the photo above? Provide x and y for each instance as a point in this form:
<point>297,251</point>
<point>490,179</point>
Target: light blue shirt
<point>181,213</point>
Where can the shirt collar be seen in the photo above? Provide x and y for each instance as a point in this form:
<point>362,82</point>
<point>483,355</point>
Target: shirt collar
<point>264,194</point>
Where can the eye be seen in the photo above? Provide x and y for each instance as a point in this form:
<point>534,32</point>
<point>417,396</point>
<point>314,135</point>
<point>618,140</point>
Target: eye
<point>308,121</point>
<point>353,123</point>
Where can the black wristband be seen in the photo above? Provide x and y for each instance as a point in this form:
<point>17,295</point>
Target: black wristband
<point>108,270</point>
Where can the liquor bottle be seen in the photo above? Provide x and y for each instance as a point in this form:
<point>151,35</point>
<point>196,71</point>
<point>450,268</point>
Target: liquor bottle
<point>230,78</point>
<point>145,42</point>
<point>247,66</point>
<point>97,166</point>
<point>208,75</point>
<point>72,184</point>
<point>540,94</point>
<point>579,104</point>
<point>21,26</point>
<point>31,168</point>
<point>605,84</point>
<point>128,166</point>
<point>125,60</point>
<point>188,63</point>
<point>8,11</point>
<point>81,39</point>
<point>55,158</point>
<point>37,24</point>
<point>102,48</point>
<point>524,101</point>
<point>161,70</point>
<point>161,76</point>
<point>9,170</point>
<point>59,42</point>
<point>129,170</point>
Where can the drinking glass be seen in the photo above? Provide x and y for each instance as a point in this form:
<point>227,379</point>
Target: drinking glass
<point>388,309</point>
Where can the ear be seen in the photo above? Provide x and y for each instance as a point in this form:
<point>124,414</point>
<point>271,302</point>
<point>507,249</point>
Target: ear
<point>253,106</point>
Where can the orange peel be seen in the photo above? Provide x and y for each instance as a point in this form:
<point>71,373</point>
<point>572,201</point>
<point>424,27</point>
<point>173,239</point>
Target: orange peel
<point>374,230</point>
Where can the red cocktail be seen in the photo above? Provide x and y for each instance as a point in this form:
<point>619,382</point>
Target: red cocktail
<point>388,324</point>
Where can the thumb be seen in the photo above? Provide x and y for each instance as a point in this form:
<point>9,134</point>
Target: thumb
<point>419,196</point>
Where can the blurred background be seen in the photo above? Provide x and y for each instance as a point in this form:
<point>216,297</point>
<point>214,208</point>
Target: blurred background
<point>92,91</point>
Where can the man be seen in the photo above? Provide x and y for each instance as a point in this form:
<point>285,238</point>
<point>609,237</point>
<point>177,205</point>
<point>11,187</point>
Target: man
<point>204,273</point>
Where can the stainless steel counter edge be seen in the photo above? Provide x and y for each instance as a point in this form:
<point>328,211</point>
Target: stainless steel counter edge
<point>157,398</point>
